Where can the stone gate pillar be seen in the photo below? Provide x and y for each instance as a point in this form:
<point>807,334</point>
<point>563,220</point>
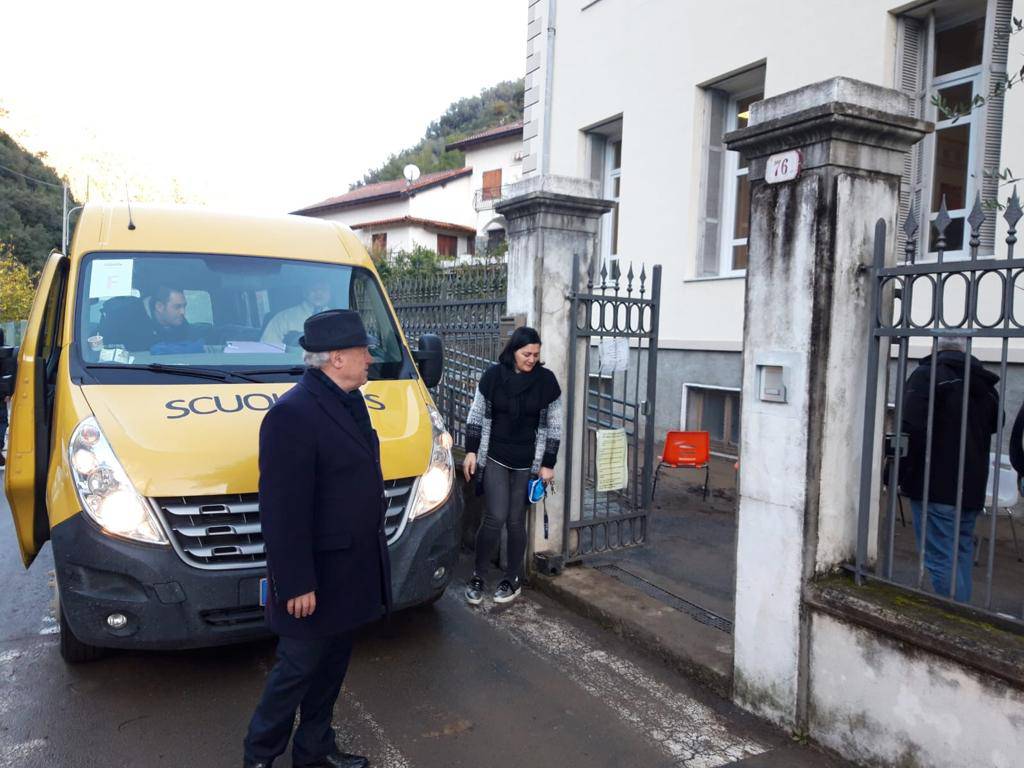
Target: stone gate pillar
<point>551,219</point>
<point>804,360</point>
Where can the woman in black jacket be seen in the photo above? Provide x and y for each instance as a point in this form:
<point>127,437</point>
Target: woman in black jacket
<point>512,433</point>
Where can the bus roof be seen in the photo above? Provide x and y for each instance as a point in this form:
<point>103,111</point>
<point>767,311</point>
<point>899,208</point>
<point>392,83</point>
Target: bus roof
<point>181,229</point>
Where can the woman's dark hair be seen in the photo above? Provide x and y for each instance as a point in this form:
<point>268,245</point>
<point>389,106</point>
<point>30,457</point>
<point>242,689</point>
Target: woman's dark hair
<point>521,337</point>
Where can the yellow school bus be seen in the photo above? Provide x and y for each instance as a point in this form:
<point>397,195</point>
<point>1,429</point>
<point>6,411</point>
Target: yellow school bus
<point>153,349</point>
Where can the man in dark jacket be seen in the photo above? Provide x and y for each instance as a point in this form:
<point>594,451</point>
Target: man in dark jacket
<point>322,510</point>
<point>942,536</point>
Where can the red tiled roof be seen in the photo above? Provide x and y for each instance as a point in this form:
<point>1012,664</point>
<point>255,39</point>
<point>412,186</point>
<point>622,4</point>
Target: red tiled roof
<point>425,223</point>
<point>385,189</point>
<point>491,134</point>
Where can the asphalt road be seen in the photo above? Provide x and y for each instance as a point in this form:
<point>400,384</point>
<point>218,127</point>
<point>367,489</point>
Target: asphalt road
<point>524,685</point>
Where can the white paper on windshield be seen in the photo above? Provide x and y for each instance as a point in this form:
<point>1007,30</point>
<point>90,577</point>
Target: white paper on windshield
<point>264,347</point>
<point>111,277</point>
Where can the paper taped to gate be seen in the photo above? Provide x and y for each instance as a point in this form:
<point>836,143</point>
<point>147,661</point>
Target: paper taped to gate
<point>613,355</point>
<point>612,466</point>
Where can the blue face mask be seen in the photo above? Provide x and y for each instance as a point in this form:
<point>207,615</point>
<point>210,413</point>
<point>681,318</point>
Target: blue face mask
<point>536,490</point>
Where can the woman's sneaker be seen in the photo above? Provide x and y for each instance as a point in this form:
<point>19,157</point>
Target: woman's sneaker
<point>475,590</point>
<point>507,591</point>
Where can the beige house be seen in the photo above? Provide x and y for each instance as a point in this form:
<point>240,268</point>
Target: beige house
<point>434,212</point>
<point>496,157</point>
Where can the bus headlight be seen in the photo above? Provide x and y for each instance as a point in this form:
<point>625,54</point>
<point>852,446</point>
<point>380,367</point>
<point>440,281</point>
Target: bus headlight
<point>436,483</point>
<point>103,487</point>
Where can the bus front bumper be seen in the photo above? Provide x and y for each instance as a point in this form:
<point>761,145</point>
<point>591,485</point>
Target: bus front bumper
<point>169,604</point>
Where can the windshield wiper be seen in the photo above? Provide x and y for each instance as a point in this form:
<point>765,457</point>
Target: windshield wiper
<point>295,370</point>
<point>181,370</point>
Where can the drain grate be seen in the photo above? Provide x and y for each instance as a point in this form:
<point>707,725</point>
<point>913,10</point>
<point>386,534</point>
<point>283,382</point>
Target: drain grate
<point>692,610</point>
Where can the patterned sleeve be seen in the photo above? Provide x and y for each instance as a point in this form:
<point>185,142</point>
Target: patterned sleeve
<point>551,433</point>
<point>475,422</point>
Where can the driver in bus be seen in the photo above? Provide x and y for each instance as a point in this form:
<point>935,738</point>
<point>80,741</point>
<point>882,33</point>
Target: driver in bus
<point>289,322</point>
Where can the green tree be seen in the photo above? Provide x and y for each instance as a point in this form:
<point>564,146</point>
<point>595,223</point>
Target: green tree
<point>400,264</point>
<point>30,208</point>
<point>16,287</point>
<point>497,105</point>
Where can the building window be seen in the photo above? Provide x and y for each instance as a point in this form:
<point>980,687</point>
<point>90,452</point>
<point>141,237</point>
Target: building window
<point>944,54</point>
<point>717,412</point>
<point>736,203</point>
<point>492,185</point>
<point>471,245</point>
<point>447,246</point>
<point>956,79</point>
<point>612,191</point>
<point>604,165</point>
<point>495,239</point>
<point>379,243</point>
<point>725,199</point>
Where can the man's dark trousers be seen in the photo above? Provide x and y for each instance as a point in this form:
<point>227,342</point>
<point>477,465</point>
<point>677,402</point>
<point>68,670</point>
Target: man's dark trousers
<point>307,677</point>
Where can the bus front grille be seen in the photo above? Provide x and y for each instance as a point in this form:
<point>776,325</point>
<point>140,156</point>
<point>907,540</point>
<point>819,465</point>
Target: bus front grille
<point>222,532</point>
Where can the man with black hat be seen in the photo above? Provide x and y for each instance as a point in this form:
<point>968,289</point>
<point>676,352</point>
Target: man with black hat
<point>322,509</point>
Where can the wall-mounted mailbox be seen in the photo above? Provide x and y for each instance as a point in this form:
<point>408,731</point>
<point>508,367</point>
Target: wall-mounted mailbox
<point>771,383</point>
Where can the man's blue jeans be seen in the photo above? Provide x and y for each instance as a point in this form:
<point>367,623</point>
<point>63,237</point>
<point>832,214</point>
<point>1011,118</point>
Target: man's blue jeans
<point>938,554</point>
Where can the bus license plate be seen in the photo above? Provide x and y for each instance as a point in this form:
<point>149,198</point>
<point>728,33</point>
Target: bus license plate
<point>263,592</point>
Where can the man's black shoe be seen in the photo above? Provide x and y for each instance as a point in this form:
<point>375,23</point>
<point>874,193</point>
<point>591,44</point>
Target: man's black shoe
<point>337,760</point>
<point>256,764</point>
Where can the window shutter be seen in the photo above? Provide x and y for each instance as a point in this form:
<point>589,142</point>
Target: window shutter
<point>710,230</point>
<point>447,246</point>
<point>492,185</point>
<point>910,62</point>
<point>993,117</point>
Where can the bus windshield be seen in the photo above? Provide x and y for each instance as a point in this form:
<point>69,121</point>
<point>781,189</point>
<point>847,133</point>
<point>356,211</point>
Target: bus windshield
<point>227,313</point>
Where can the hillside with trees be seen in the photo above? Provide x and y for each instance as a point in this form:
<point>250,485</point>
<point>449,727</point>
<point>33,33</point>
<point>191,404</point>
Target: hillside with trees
<point>497,105</point>
<point>30,208</point>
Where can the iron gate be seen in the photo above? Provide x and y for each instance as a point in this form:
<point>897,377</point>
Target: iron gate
<point>464,306</point>
<point>966,302</point>
<point>616,320</point>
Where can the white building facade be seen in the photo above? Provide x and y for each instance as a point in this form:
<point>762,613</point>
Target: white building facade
<point>434,212</point>
<point>496,157</point>
<point>638,96</point>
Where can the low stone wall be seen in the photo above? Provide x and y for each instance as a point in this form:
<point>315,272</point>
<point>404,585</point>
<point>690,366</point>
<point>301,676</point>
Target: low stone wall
<point>896,680</point>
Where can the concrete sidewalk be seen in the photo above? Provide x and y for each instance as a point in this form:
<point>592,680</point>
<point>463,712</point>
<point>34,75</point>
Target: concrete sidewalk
<point>672,599</point>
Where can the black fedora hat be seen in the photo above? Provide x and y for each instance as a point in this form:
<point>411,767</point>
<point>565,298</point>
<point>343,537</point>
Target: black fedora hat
<point>333,329</point>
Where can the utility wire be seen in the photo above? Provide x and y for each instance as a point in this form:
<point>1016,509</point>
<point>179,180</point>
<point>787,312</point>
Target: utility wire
<point>31,178</point>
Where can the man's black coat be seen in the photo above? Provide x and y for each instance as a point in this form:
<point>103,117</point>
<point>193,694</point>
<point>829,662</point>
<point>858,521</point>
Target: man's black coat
<point>322,510</point>
<point>983,414</point>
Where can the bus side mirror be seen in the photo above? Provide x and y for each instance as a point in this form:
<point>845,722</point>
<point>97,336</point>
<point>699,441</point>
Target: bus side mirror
<point>8,370</point>
<point>430,359</point>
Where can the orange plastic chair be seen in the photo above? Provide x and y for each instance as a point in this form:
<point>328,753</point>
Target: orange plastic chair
<point>686,450</point>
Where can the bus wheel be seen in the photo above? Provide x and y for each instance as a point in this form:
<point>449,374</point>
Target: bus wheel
<point>73,650</point>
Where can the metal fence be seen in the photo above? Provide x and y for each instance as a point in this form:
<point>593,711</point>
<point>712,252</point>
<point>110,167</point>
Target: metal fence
<point>464,306</point>
<point>932,449</point>
<point>616,319</point>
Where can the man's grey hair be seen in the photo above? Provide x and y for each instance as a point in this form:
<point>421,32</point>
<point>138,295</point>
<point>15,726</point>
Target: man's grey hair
<point>953,343</point>
<point>316,359</point>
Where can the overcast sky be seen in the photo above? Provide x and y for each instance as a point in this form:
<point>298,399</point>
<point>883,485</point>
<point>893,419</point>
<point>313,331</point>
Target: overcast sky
<point>259,106</point>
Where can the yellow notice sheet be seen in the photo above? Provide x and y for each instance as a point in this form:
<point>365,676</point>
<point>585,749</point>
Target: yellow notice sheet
<point>612,468</point>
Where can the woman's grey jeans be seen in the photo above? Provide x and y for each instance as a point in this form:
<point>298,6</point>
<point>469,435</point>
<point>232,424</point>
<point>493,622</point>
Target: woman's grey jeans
<point>505,505</point>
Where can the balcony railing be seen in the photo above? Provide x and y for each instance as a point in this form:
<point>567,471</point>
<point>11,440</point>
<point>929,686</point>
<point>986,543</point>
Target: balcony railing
<point>485,197</point>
